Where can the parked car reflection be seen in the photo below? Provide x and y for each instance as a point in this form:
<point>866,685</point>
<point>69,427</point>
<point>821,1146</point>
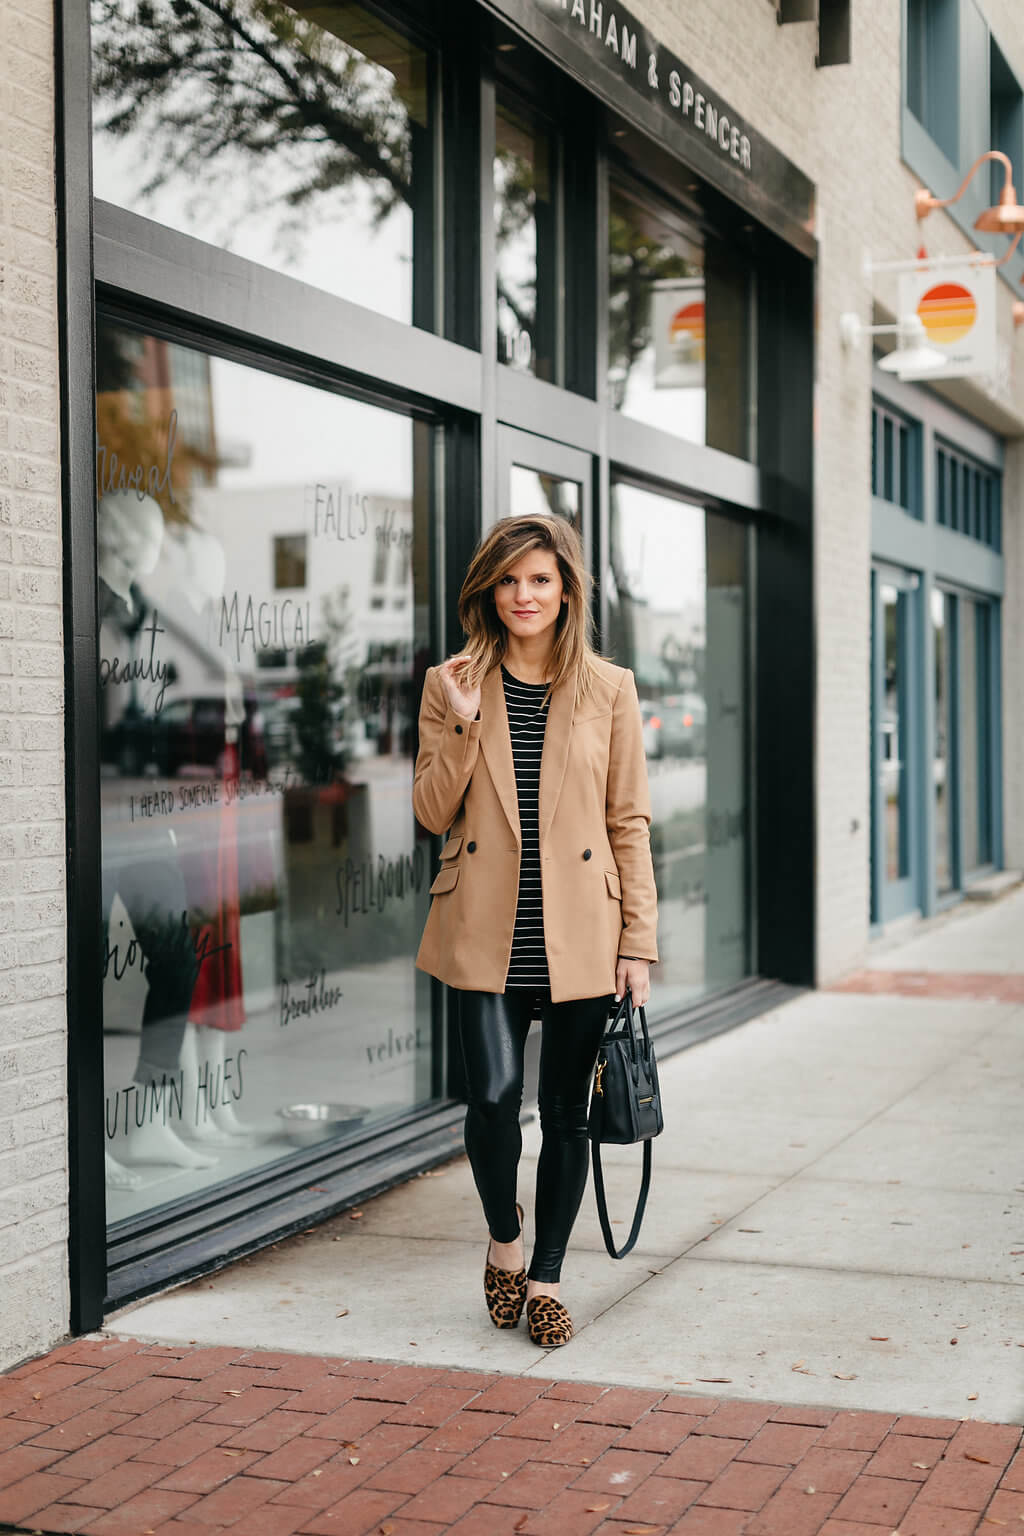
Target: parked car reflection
<point>675,726</point>
<point>187,734</point>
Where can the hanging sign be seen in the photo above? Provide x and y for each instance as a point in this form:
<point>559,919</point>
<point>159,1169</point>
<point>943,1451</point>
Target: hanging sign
<point>957,306</point>
<point>677,315</point>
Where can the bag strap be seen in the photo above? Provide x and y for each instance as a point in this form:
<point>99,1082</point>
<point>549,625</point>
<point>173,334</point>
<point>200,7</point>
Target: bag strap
<point>602,1205</point>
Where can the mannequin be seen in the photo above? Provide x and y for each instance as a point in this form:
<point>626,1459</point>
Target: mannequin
<point>129,534</point>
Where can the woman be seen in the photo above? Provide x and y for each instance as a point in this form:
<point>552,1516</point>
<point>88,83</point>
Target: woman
<point>531,757</point>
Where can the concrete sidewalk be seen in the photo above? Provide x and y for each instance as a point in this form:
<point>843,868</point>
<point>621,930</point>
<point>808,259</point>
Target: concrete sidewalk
<point>837,1219</point>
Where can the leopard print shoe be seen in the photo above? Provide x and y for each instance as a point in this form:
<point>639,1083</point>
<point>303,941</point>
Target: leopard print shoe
<point>505,1290</point>
<point>548,1321</point>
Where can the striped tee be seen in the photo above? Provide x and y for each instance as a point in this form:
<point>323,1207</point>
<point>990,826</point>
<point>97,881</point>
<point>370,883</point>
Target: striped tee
<point>528,963</point>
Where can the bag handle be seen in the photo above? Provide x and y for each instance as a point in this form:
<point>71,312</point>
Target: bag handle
<point>631,1014</point>
<point>602,1204</point>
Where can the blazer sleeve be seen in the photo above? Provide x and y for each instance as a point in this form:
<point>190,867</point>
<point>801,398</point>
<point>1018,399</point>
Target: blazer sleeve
<point>629,821</point>
<point>448,750</point>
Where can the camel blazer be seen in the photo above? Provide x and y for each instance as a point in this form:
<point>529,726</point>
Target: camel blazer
<point>597,876</point>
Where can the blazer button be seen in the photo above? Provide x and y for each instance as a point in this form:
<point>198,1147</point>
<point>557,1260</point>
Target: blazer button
<point>586,853</point>
<point>471,847</point>
<point>458,730</point>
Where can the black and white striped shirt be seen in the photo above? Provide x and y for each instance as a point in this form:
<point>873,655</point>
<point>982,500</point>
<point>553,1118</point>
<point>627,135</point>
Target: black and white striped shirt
<point>528,963</point>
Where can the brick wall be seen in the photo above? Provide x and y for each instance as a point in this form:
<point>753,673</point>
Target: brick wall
<point>33,1128</point>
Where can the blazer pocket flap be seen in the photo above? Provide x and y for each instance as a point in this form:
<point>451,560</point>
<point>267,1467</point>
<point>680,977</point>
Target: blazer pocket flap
<point>451,848</point>
<point>613,884</point>
<point>446,880</point>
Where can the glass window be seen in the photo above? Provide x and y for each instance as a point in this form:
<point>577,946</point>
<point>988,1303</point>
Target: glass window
<point>887,487</point>
<point>678,616</point>
<point>303,144</point>
<point>874,452</point>
<point>289,561</point>
<point>264,881</point>
<point>895,725</point>
<point>1006,115</point>
<point>679,326</point>
<point>526,259</point>
<point>976,746</point>
<point>932,70</point>
<point>941,481</point>
<point>533,492</point>
<point>967,496</point>
<point>942,630</point>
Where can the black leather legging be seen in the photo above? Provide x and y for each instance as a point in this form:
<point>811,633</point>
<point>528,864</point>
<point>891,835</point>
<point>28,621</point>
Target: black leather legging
<point>493,1027</point>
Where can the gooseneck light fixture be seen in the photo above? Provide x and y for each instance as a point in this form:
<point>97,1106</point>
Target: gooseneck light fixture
<point>1006,218</point>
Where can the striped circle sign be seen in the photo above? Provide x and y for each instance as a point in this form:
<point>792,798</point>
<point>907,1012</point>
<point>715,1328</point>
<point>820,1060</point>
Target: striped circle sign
<point>948,312</point>
<point>687,327</point>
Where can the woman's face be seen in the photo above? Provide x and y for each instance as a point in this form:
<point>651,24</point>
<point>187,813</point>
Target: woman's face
<point>529,595</point>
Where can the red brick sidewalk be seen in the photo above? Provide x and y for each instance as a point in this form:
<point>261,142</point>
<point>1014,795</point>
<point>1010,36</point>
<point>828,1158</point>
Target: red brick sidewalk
<point>117,1438</point>
<point>978,986</point>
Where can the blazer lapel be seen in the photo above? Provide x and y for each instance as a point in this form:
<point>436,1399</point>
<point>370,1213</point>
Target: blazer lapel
<point>496,746</point>
<point>556,751</point>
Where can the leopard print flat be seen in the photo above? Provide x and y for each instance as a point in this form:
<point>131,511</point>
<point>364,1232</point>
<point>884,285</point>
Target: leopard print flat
<point>548,1321</point>
<point>505,1290</point>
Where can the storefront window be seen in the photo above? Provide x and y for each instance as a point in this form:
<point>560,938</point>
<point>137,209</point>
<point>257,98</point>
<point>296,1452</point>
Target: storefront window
<point>301,144</point>
<point>534,493</point>
<point>678,616</point>
<point>264,881</point>
<point>524,227</point>
<point>678,336</point>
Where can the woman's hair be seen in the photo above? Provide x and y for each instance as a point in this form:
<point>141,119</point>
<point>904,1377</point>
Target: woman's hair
<point>487,636</point>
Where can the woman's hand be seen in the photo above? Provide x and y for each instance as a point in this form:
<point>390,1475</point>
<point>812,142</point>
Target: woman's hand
<point>464,701</point>
<point>636,975</point>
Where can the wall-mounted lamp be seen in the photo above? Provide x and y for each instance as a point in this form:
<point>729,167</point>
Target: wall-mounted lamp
<point>1018,313</point>
<point>912,351</point>
<point>1006,218</point>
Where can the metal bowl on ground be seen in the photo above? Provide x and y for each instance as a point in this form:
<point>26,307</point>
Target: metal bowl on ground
<point>306,1124</point>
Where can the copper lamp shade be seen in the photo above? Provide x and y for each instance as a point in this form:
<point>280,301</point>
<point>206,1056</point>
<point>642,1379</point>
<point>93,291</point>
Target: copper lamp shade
<point>1006,218</point>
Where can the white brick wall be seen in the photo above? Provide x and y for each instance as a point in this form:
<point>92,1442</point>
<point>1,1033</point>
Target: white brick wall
<point>33,1016</point>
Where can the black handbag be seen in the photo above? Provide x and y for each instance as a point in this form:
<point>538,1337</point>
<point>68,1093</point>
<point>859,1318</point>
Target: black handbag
<point>625,1107</point>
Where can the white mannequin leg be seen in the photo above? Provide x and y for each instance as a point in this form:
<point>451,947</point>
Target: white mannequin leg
<point>158,1143</point>
<point>200,1123</point>
<point>156,1140</point>
<point>220,1117</point>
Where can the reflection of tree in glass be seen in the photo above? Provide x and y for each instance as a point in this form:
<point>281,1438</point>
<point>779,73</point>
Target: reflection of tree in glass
<point>320,756</point>
<point>515,211</point>
<point>213,88</point>
<point>637,259</point>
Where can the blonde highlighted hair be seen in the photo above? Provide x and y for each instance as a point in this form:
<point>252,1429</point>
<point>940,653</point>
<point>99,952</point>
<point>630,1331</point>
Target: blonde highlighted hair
<point>487,637</point>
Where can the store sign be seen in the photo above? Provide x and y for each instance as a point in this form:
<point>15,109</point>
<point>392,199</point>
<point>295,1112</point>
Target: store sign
<point>677,314</point>
<point>620,37</point>
<point>957,307</point>
<point>615,56</point>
